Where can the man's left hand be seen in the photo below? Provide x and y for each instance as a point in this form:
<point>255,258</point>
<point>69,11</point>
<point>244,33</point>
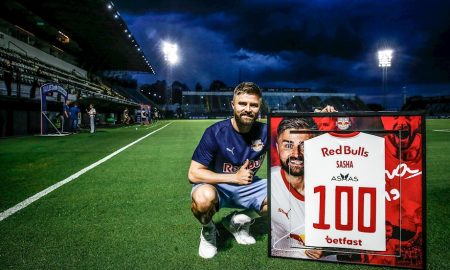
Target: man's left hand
<point>327,109</point>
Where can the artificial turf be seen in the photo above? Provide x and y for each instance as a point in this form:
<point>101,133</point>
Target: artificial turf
<point>133,211</point>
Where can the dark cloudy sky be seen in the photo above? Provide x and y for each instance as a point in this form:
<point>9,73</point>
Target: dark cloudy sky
<point>310,43</point>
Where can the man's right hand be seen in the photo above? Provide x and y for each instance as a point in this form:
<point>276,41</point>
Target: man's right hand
<point>243,176</point>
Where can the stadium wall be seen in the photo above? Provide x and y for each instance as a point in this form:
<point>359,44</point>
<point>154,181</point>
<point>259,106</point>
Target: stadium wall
<point>19,117</point>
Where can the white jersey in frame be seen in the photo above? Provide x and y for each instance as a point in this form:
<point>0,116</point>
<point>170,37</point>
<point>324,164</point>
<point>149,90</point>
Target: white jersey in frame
<point>344,191</point>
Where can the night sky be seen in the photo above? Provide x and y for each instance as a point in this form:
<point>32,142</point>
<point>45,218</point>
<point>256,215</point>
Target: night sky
<point>320,44</point>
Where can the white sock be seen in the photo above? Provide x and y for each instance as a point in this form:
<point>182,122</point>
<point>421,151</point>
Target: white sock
<point>249,212</point>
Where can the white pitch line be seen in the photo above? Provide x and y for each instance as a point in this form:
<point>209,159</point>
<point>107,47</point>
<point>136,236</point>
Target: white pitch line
<point>74,176</point>
<point>442,130</point>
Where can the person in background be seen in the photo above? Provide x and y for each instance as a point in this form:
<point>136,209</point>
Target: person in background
<point>8,76</point>
<point>126,117</point>
<point>143,116</point>
<point>156,116</point>
<point>74,114</point>
<point>18,81</point>
<point>91,111</point>
<point>66,125</point>
<point>148,110</point>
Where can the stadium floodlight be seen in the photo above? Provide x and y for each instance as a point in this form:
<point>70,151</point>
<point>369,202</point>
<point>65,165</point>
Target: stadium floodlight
<point>384,61</point>
<point>170,51</point>
<point>385,57</point>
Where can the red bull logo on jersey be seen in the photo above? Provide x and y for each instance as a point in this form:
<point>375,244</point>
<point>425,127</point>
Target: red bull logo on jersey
<point>257,145</point>
<point>253,164</point>
<point>343,123</point>
<point>345,150</point>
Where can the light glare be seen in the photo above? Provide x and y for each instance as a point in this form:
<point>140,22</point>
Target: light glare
<point>170,51</point>
<point>385,58</point>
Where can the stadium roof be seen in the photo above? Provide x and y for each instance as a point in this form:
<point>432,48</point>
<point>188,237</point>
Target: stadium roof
<point>99,36</point>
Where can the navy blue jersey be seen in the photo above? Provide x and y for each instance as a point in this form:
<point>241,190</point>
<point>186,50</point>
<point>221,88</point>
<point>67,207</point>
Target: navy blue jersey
<point>223,150</point>
<point>66,109</point>
<point>74,112</point>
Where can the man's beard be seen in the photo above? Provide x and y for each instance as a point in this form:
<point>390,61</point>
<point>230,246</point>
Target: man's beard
<point>244,121</point>
<point>292,169</point>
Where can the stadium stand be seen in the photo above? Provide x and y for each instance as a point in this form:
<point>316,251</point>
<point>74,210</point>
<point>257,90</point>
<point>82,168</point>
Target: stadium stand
<point>31,68</point>
<point>31,40</point>
<point>125,86</point>
<point>217,104</point>
<point>437,106</point>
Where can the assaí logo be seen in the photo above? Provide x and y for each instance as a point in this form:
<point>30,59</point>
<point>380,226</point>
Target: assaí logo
<point>344,177</point>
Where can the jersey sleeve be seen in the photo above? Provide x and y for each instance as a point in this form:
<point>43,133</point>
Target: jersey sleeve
<point>206,148</point>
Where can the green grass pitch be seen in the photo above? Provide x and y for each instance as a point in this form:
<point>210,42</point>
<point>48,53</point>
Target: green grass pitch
<point>133,211</point>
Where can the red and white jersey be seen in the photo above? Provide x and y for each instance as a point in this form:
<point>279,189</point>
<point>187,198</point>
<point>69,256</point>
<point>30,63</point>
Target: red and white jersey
<point>287,217</point>
<point>345,191</point>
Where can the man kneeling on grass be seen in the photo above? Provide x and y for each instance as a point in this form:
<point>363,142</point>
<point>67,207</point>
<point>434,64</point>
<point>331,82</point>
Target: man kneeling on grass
<point>223,171</point>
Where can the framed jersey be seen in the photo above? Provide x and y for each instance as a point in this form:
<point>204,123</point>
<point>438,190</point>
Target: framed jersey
<point>348,187</point>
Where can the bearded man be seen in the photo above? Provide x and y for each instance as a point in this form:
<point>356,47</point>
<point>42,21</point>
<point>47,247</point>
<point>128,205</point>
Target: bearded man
<point>288,190</point>
<point>223,171</point>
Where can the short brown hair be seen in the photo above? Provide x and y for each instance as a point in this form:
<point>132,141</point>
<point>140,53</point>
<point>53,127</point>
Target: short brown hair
<point>247,88</point>
<point>294,123</point>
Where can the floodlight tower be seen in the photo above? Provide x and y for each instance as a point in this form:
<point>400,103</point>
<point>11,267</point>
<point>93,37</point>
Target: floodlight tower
<point>384,61</point>
<point>170,53</point>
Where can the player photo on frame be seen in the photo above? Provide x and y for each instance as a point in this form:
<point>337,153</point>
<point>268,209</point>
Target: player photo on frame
<point>348,187</point>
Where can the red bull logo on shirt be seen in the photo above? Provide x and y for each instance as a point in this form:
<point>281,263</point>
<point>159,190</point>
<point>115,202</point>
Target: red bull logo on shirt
<point>253,164</point>
<point>343,123</point>
<point>257,145</point>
